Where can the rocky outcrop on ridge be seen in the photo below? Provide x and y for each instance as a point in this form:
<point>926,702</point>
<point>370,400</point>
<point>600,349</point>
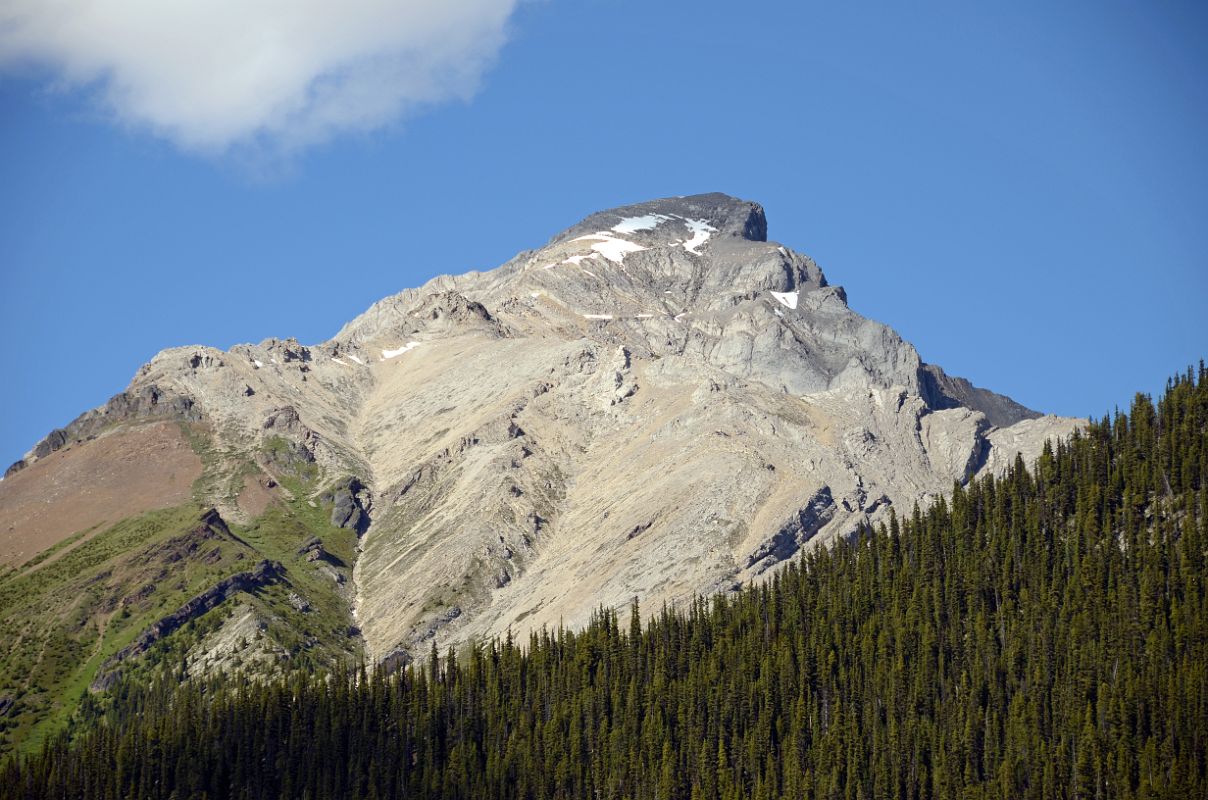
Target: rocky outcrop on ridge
<point>264,573</point>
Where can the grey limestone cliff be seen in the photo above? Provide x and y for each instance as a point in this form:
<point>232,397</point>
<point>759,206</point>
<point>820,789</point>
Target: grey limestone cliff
<point>659,402</point>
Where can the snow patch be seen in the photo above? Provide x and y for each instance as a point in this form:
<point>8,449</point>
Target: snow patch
<point>354,358</point>
<point>786,299</point>
<point>597,316</point>
<point>701,231</point>
<point>338,361</point>
<point>779,313</point>
<point>616,249</point>
<point>678,317</point>
<point>644,223</point>
<point>611,247</point>
<point>395,353</point>
<point>644,316</point>
<point>258,363</point>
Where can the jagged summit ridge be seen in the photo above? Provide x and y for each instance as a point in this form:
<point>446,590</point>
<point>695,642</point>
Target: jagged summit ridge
<point>659,402</point>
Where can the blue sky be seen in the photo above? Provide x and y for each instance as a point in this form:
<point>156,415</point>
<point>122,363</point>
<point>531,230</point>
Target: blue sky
<point>1021,189</point>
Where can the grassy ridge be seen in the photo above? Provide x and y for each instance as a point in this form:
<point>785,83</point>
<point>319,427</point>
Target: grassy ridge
<point>64,614</point>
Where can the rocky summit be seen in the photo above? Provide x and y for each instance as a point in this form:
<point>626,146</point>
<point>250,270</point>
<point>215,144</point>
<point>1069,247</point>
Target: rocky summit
<point>658,403</point>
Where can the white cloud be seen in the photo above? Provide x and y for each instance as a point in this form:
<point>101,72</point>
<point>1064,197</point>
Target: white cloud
<point>215,74</point>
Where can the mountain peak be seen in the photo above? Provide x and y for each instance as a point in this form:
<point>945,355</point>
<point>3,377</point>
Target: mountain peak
<point>698,215</point>
<point>658,403</point>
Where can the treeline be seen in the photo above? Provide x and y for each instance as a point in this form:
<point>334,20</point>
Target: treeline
<point>1040,635</point>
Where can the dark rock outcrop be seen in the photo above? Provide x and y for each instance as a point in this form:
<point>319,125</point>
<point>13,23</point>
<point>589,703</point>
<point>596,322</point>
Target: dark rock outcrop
<point>264,573</point>
<point>352,502</point>
<point>210,526</point>
<point>151,401</point>
<point>292,351</point>
<point>55,440</point>
<point>452,305</point>
<point>146,403</point>
<point>205,360</point>
<point>940,390</point>
<point>285,421</point>
<point>295,452</point>
<point>310,545</point>
<point>785,543</point>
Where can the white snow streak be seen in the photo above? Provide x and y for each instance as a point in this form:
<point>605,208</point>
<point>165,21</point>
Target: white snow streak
<point>701,231</point>
<point>610,247</point>
<point>394,353</point>
<point>645,223</point>
<point>787,299</point>
<point>354,358</point>
<point>597,316</point>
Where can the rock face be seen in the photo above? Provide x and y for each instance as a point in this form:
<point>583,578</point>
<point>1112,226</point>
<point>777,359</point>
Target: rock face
<point>351,502</point>
<point>657,403</point>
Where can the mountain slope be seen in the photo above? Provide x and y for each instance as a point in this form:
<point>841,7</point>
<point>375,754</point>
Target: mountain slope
<point>657,403</point>
<point>1038,635</point>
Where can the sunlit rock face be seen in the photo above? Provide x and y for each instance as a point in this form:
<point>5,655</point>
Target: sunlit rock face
<point>658,403</point>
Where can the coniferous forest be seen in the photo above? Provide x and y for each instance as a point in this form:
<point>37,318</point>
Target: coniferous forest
<point>1039,635</point>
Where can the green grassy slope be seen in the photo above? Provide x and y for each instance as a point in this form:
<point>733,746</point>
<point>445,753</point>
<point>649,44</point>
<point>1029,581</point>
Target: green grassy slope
<point>65,614</point>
